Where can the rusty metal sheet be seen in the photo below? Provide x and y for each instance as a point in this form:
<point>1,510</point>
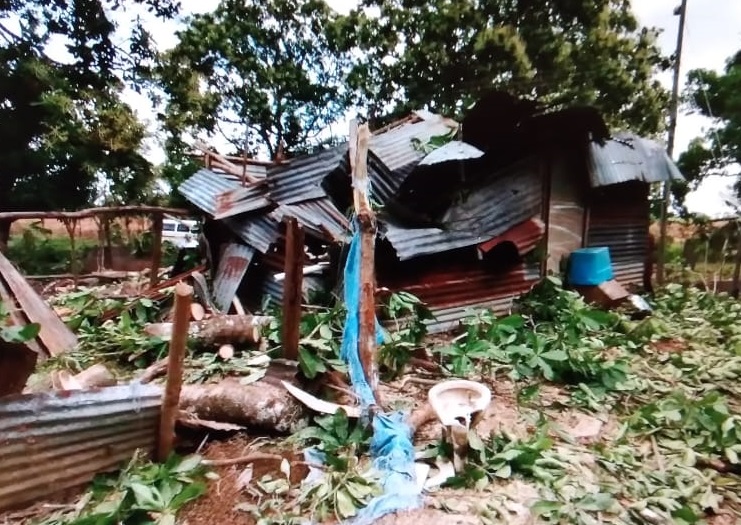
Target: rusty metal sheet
<point>232,269</point>
<point>319,217</point>
<point>54,337</point>
<point>57,440</point>
<point>619,219</point>
<point>628,157</point>
<point>514,196</point>
<point>202,188</point>
<point>525,236</point>
<point>241,200</point>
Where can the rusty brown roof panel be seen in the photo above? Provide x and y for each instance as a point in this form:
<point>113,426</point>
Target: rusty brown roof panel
<point>451,293</point>
<point>241,200</point>
<point>232,267</point>
<point>57,440</point>
<point>202,188</point>
<point>487,212</point>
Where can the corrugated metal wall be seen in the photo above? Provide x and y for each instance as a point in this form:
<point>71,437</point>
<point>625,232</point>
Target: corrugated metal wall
<point>619,219</point>
<point>57,440</point>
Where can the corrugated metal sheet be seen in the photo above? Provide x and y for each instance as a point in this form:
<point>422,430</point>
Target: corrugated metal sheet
<point>452,151</point>
<point>259,230</point>
<point>202,188</point>
<point>319,217</point>
<point>57,440</point>
<point>232,267</point>
<point>395,148</point>
<point>525,236</point>
<point>619,219</point>
<point>301,178</point>
<point>513,197</point>
<point>451,293</point>
<point>628,157</point>
<point>241,200</point>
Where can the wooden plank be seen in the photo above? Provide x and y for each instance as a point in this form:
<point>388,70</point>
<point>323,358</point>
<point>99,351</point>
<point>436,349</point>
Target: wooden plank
<point>92,212</point>
<point>294,265</point>
<point>54,336</point>
<point>16,316</point>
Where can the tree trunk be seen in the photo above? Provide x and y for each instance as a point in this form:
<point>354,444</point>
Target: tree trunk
<point>260,406</point>
<point>220,329</point>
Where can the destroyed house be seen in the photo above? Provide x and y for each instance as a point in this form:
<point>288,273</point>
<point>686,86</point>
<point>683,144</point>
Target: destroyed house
<point>470,214</point>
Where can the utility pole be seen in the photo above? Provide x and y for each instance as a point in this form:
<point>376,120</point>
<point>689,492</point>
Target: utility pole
<point>674,109</point>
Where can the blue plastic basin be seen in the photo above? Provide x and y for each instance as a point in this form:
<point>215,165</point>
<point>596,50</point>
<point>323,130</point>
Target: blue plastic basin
<point>590,266</point>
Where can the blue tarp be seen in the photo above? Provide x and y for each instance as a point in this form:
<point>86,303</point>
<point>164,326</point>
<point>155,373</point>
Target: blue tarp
<point>391,445</point>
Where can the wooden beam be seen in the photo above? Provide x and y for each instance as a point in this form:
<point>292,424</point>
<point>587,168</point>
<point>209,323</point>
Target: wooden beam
<point>292,285</point>
<point>55,337</point>
<point>92,212</point>
<point>176,356</point>
<point>156,249</point>
<point>368,227</point>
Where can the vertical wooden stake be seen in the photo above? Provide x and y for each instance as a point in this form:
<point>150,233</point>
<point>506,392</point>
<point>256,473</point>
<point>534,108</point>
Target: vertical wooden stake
<point>367,223</point>
<point>156,249</point>
<point>737,264</point>
<point>171,399</point>
<point>292,285</point>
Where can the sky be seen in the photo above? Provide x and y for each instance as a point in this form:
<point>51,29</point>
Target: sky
<point>712,34</point>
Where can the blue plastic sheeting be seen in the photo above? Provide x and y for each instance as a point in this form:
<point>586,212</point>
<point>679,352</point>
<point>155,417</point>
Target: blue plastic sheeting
<point>391,445</point>
<point>349,348</point>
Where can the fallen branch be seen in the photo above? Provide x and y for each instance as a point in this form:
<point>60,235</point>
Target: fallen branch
<point>256,456</point>
<point>153,371</point>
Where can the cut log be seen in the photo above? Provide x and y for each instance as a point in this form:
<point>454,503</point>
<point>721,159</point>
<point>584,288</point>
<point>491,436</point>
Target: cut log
<point>226,352</point>
<point>197,311</point>
<point>220,329</point>
<point>95,376</point>
<point>261,405</point>
<point>153,371</point>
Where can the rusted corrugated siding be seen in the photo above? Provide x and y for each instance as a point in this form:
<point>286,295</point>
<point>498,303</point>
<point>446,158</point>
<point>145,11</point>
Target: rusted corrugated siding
<point>619,219</point>
<point>450,292</point>
<point>53,441</point>
<point>232,267</point>
<point>241,200</point>
<point>301,178</point>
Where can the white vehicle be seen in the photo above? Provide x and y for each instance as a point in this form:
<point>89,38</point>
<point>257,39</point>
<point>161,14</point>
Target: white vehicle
<point>182,233</point>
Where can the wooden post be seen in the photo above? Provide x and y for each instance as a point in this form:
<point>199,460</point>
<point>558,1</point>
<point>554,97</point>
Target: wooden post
<point>156,249</point>
<point>367,223</point>
<point>737,263</point>
<point>292,284</point>
<point>70,225</point>
<point>176,356</point>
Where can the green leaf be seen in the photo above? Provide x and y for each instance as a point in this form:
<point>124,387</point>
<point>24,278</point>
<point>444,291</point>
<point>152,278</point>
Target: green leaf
<point>188,464</point>
<point>555,355</point>
<point>545,507</point>
<point>600,502</point>
<point>344,504</point>
<point>504,472</point>
<point>190,492</point>
<point>146,497</point>
<point>310,364</point>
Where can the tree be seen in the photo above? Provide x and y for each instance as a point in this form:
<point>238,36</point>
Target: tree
<point>65,127</point>
<point>444,54</point>
<point>717,96</point>
<point>261,68</point>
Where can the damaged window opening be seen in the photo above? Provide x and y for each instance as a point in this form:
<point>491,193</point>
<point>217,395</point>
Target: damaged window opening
<point>501,258</point>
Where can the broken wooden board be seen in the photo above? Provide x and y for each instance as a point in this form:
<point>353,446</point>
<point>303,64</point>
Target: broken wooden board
<point>54,337</point>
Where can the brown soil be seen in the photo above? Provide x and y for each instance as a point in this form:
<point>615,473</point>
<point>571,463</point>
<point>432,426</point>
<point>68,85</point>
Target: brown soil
<point>217,506</point>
